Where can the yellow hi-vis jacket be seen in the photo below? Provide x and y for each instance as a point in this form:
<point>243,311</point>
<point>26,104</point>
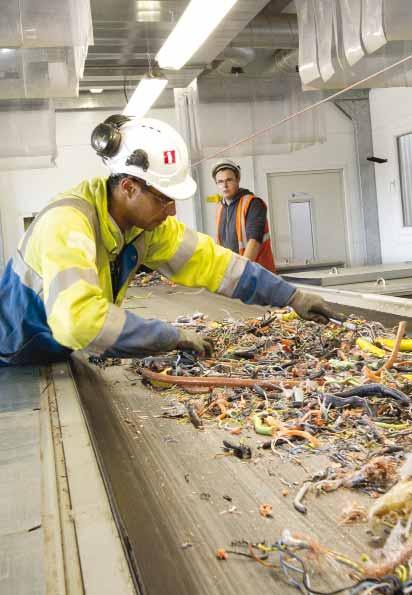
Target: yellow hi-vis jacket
<point>63,289</point>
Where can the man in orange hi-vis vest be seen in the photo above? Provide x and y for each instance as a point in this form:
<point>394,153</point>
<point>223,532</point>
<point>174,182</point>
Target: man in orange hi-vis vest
<point>241,218</point>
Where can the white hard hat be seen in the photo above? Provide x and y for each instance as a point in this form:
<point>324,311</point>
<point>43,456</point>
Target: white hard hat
<point>151,150</point>
<point>225,164</point>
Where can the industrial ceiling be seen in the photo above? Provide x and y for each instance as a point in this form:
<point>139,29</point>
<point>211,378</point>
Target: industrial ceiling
<point>129,33</point>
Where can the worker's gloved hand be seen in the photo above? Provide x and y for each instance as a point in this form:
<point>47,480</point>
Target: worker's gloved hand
<point>312,307</point>
<point>192,341</point>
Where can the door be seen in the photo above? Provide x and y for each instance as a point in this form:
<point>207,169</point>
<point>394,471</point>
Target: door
<point>307,216</point>
<point>301,230</point>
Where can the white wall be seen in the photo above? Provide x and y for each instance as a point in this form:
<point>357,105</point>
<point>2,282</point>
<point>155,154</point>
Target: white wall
<point>22,192</point>
<point>25,191</point>
<point>391,116</point>
<point>338,153</point>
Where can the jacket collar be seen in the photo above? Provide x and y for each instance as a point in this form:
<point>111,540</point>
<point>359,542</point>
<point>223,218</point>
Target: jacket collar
<point>241,192</point>
<point>94,191</point>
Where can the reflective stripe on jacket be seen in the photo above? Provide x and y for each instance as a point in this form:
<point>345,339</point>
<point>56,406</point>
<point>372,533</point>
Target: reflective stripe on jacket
<point>56,295</point>
<point>265,255</point>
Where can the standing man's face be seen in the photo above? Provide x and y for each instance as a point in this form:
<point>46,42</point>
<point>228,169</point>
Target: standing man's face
<point>228,183</point>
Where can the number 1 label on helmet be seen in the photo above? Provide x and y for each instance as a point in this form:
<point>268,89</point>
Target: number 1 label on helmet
<point>147,149</point>
<point>169,157</point>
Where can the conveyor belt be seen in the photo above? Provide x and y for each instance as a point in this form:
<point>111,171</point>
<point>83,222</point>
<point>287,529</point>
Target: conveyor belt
<point>352,274</point>
<point>169,483</point>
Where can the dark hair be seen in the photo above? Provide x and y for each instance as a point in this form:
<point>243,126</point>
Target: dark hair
<point>114,179</point>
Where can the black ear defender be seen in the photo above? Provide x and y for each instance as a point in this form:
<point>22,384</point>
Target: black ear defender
<point>139,158</point>
<point>106,137</point>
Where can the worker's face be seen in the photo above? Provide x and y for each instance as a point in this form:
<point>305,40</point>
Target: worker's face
<point>228,183</point>
<point>146,207</point>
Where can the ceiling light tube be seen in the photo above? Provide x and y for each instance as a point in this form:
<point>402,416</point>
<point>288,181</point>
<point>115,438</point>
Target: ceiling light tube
<point>195,25</point>
<point>144,96</point>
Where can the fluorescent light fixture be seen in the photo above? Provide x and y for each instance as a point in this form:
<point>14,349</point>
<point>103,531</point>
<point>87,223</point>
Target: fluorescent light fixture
<point>7,50</point>
<point>195,25</point>
<point>95,90</point>
<point>144,96</point>
<point>144,5</point>
<point>148,11</point>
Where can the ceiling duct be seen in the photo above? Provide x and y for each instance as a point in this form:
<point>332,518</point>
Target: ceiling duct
<point>257,63</point>
<point>270,32</point>
<point>279,62</point>
<point>43,48</point>
<point>286,61</point>
<point>235,58</point>
<point>268,45</point>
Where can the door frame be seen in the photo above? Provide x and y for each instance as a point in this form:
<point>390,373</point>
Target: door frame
<point>338,170</point>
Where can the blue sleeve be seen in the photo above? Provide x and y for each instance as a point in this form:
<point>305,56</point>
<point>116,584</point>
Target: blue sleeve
<point>140,337</point>
<point>259,286</point>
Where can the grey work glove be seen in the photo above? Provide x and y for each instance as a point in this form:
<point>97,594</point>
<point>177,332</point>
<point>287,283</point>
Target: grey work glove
<point>312,307</point>
<point>192,341</point>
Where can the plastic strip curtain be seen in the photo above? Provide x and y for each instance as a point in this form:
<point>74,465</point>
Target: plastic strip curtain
<point>361,83</point>
<point>10,24</point>
<point>308,53</point>
<point>187,115</point>
<point>238,106</point>
<point>38,73</point>
<point>385,56</point>
<point>373,35</point>
<point>44,47</point>
<point>350,11</point>
<point>338,36</point>
<point>324,19</point>
<point>29,134</point>
<point>45,23</point>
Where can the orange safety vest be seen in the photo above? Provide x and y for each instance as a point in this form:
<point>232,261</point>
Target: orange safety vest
<point>265,256</point>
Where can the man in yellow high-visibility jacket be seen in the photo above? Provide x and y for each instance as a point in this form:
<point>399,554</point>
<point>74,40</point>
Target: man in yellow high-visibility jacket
<point>63,289</point>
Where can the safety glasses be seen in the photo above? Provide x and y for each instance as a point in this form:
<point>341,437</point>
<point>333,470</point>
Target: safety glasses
<point>164,200</point>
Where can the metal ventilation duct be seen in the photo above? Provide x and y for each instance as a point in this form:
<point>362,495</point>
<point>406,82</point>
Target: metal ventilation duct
<point>235,58</point>
<point>261,49</point>
<point>254,63</point>
<point>270,32</point>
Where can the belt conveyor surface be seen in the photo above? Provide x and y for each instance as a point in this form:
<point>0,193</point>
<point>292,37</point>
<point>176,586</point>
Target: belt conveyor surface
<point>169,490</point>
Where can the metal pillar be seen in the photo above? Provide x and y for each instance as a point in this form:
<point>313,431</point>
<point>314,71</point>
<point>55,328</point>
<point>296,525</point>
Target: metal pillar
<point>357,109</point>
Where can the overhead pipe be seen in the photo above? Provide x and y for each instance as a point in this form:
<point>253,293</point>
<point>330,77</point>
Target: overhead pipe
<point>251,65</point>
<point>286,61</point>
<point>235,58</point>
<point>266,31</point>
<point>270,32</point>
